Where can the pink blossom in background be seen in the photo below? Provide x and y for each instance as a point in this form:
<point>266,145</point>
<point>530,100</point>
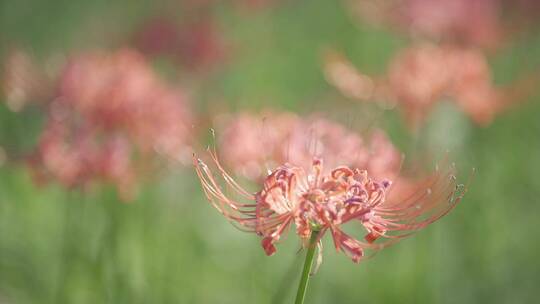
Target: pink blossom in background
<point>257,4</point>
<point>472,22</point>
<point>195,44</point>
<point>119,91</point>
<point>342,74</point>
<point>423,75</point>
<point>420,76</point>
<point>111,110</point>
<point>340,146</point>
<point>157,36</point>
<point>417,78</point>
<point>252,144</point>
<point>479,23</point>
<point>75,157</point>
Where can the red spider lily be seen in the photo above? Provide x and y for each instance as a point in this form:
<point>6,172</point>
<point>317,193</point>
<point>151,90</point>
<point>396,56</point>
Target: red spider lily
<point>196,45</point>
<point>258,4</point>
<point>472,22</point>
<point>422,75</point>
<point>110,110</point>
<point>478,23</point>
<point>120,92</point>
<point>313,200</point>
<point>75,157</point>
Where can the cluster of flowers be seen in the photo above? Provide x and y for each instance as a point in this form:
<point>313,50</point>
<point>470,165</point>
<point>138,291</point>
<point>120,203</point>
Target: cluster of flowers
<point>195,42</point>
<point>451,67</point>
<point>424,74</point>
<point>106,110</point>
<point>483,23</point>
<point>195,45</point>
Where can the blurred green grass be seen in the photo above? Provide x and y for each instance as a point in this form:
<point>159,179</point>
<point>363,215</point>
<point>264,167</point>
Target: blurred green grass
<point>170,246</point>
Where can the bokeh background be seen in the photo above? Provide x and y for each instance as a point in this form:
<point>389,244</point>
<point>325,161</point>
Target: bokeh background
<point>168,245</point>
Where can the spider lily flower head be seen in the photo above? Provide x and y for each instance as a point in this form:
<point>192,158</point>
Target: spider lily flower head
<point>425,74</point>
<point>111,117</point>
<point>487,24</point>
<point>322,200</point>
<point>470,22</point>
<point>75,157</point>
<point>250,143</point>
<point>195,45</point>
<point>118,91</point>
<point>258,4</point>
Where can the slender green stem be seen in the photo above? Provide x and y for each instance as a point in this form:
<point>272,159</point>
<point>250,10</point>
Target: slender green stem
<point>302,287</point>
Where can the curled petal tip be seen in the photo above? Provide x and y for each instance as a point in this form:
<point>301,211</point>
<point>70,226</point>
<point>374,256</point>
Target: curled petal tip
<point>268,246</point>
<point>371,237</point>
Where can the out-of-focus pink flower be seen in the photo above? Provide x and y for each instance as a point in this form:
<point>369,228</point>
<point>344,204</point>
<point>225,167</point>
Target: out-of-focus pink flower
<point>422,75</point>
<point>479,23</point>
<point>339,146</point>
<point>158,36</point>
<point>472,22</point>
<point>257,4</point>
<point>250,142</point>
<point>418,77</point>
<point>78,155</point>
<point>110,109</point>
<point>200,45</point>
<point>119,91</point>
<point>472,86</point>
<point>194,44</point>
<point>346,78</point>
<point>315,199</point>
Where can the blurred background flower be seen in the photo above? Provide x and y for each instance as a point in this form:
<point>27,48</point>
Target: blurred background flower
<point>255,144</point>
<point>109,109</point>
